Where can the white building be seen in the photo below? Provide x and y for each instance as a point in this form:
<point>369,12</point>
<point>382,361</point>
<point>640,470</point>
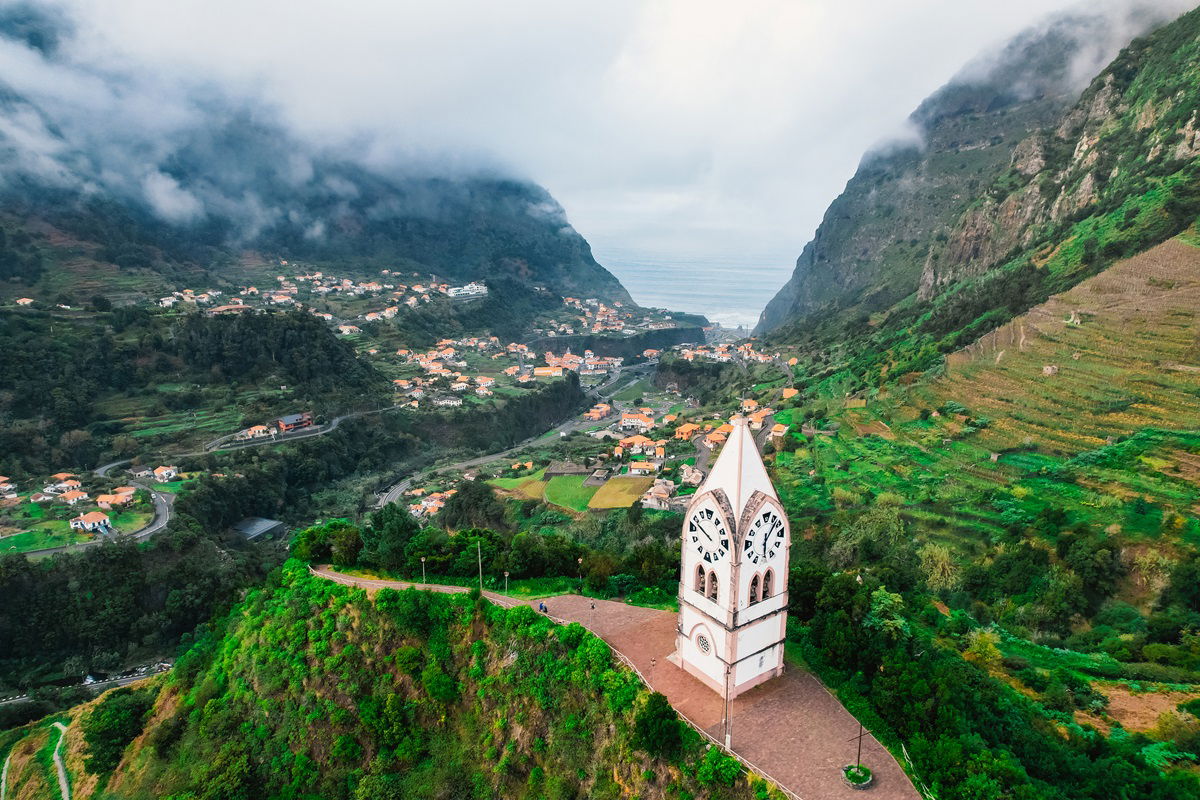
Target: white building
<point>472,289</point>
<point>733,598</point>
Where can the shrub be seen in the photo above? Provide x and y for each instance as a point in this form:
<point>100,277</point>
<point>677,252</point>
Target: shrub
<point>717,767</point>
<point>656,728</point>
<point>114,723</point>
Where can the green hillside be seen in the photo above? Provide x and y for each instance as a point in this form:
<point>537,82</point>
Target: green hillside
<point>311,689</point>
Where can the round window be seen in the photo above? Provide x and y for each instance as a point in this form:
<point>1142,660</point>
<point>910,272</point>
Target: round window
<point>703,643</point>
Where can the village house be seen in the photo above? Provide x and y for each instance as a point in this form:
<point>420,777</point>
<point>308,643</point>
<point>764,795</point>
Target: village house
<point>6,483</point>
<point>255,432</point>
<point>598,412</point>
<point>790,392</point>
<point>448,401</point>
<point>547,372</point>
<point>72,497</point>
<point>749,404</point>
<point>686,431</point>
<point>643,468</point>
<point>714,440</point>
<point>294,422</point>
<point>658,496</point>
<point>107,501</point>
<point>690,475</point>
<point>92,522</point>
<point>232,308</point>
<point>635,421</point>
<point>778,430</point>
<point>24,301</point>
<point>165,473</point>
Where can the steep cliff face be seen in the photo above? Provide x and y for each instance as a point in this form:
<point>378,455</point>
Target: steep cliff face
<point>912,215</point>
<point>1133,130</point>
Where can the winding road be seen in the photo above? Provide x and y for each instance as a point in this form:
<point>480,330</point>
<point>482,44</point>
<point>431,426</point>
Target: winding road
<point>163,501</point>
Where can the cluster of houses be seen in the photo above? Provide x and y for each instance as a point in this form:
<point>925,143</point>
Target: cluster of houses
<point>429,503</point>
<point>599,317</point>
<point>65,487</point>
<point>725,353</point>
<point>287,424</point>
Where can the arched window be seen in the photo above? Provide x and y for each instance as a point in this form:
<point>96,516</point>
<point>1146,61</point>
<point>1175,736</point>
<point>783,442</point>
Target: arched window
<point>754,590</point>
<point>712,586</point>
<point>766,584</point>
<point>700,579</point>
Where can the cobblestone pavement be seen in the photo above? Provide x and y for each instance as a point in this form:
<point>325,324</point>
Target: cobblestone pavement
<point>790,728</point>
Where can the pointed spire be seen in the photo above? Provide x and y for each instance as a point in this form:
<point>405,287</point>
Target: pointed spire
<point>739,470</point>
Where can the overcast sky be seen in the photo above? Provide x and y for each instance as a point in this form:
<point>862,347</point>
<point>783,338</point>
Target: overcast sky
<point>677,128</point>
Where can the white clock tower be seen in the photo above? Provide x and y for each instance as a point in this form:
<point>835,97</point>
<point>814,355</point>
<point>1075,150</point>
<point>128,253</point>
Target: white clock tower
<point>733,585</point>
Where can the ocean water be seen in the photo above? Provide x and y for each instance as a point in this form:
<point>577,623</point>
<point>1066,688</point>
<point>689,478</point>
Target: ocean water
<point>730,290</point>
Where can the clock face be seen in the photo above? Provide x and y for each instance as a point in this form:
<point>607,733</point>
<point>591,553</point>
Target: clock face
<point>706,534</point>
<point>765,537</point>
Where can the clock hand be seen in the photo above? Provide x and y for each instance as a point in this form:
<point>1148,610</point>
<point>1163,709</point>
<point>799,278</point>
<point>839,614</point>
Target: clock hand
<point>702,530</point>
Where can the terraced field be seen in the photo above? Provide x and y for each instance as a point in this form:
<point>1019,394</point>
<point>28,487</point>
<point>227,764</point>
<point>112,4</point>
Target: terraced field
<point>1110,439</point>
<point>1119,352</point>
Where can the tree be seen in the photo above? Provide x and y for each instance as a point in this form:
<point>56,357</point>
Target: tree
<point>656,728</point>
<point>887,614</point>
<point>388,534</point>
<point>474,505</point>
<point>112,726</point>
<point>982,648</point>
<point>938,567</point>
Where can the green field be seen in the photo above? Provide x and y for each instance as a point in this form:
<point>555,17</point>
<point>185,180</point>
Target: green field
<point>568,491</point>
<point>620,492</point>
<point>40,538</point>
<point>514,483</point>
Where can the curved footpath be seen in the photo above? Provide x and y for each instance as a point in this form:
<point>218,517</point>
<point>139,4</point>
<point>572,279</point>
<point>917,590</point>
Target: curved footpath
<point>64,785</point>
<point>791,730</point>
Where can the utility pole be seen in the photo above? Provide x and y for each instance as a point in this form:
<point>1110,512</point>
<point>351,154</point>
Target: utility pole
<point>728,712</point>
<point>479,555</point>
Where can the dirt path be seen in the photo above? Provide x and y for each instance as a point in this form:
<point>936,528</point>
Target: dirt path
<point>790,730</point>
<point>4,777</point>
<point>64,785</point>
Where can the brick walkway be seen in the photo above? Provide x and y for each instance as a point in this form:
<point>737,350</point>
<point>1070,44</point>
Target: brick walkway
<point>791,728</point>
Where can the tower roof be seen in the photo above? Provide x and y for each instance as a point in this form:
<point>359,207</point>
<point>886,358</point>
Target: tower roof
<point>739,470</point>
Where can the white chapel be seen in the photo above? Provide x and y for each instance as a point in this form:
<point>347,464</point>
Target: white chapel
<point>733,586</point>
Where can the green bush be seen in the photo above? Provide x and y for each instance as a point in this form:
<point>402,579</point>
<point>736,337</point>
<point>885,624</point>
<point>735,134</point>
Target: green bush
<point>656,728</point>
<point>115,722</point>
<point>717,767</point>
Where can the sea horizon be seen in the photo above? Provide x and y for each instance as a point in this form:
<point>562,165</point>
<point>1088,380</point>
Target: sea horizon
<point>713,285</point>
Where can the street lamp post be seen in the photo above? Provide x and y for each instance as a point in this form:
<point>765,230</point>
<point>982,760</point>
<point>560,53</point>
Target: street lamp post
<point>506,581</point>
<point>580,562</point>
<point>422,569</point>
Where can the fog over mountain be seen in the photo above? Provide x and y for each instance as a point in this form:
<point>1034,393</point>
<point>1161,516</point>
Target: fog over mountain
<point>667,129</point>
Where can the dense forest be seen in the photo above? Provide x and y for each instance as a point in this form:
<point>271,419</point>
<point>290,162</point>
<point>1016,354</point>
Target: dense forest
<point>60,622</point>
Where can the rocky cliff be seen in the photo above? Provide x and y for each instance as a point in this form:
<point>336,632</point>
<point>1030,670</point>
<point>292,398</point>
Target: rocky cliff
<point>921,214</point>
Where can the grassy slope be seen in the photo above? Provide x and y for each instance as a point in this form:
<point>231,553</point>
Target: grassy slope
<point>313,689</point>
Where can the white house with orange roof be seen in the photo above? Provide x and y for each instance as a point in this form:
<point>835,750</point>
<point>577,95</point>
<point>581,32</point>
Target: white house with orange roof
<point>165,473</point>
<point>635,421</point>
<point>72,497</point>
<point>92,522</point>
